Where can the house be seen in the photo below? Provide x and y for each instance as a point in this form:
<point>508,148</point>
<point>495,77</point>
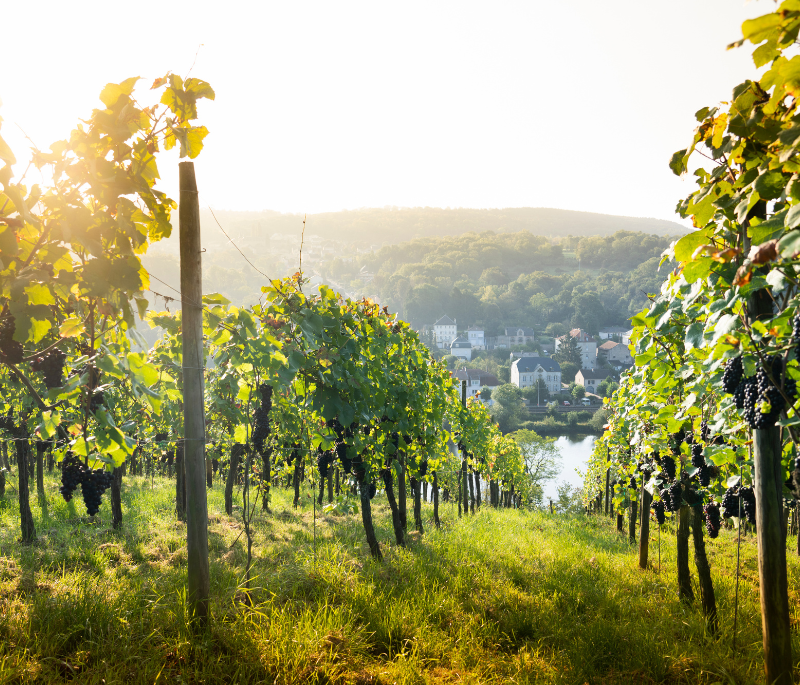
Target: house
<point>614,353</point>
<point>525,371</point>
<point>460,347</point>
<point>586,344</point>
<point>625,338</point>
<point>476,380</point>
<point>445,331</point>
<point>591,378</point>
<point>475,335</point>
<point>513,336</point>
<point>611,332</point>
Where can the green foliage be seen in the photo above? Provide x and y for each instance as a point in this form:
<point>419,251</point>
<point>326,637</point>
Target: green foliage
<point>508,279</point>
<point>568,371</point>
<point>607,387</point>
<point>568,352</point>
<point>577,391</point>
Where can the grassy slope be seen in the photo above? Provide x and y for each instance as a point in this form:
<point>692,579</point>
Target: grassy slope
<point>506,597</point>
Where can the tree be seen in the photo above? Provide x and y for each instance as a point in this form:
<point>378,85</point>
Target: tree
<point>542,457</point>
<point>568,351</point>
<point>555,329</point>
<point>569,498</point>
<point>577,391</point>
<point>607,387</point>
<point>451,361</point>
<point>568,371</point>
<point>507,409</point>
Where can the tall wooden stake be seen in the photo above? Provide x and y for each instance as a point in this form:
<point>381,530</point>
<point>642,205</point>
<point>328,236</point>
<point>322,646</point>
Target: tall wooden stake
<point>768,487</point>
<point>194,430</point>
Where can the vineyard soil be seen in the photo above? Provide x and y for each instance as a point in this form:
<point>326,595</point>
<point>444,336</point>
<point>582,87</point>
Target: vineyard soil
<point>505,596</point>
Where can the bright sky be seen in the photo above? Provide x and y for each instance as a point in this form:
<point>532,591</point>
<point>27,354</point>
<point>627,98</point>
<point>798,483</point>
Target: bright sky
<point>574,104</point>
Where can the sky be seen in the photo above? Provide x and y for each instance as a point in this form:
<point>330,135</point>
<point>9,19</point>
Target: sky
<point>323,106</point>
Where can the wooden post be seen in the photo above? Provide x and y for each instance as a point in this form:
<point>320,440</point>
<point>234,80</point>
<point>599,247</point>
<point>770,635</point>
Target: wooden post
<point>772,556</point>
<point>608,477</point>
<point>770,529</point>
<point>436,520</point>
<point>632,522</point>
<point>644,533</point>
<point>194,425</point>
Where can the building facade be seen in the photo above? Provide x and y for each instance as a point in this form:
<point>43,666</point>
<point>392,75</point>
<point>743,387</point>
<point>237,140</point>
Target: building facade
<point>476,337</point>
<point>591,378</point>
<point>512,337</point>
<point>525,371</point>
<point>616,354</point>
<point>460,347</point>
<point>445,331</point>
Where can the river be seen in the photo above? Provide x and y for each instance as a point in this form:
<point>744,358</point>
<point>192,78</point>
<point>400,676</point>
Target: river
<point>575,452</point>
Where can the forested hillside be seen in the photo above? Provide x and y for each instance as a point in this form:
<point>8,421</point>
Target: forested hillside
<point>510,279</point>
<point>393,225</point>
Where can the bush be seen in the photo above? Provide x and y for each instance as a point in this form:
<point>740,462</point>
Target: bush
<point>584,416</point>
<point>599,420</point>
<point>572,419</point>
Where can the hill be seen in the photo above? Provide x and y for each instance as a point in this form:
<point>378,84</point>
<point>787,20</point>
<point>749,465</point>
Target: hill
<point>509,279</point>
<point>392,224</point>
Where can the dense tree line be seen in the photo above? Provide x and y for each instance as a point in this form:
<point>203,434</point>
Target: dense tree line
<point>511,279</point>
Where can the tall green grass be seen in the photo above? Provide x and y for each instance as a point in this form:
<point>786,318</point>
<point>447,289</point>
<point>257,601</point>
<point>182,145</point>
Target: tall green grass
<point>501,597</point>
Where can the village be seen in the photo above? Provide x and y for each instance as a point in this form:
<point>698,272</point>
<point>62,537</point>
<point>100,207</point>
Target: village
<point>539,374</point>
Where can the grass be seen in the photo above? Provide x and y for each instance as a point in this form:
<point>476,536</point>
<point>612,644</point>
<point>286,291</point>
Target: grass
<point>501,597</point>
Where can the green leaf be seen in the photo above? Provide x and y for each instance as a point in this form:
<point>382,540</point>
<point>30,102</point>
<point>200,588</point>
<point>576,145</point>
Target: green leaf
<point>39,294</point>
<point>686,246</point>
<point>71,327</point>
<point>113,91</point>
<point>770,184</point>
<point>789,245</point>
<point>759,29</point>
<point>694,335</point>
<point>793,217</point>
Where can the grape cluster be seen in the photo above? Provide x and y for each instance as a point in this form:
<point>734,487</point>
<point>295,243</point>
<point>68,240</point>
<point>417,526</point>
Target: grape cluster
<point>324,461</point>
<point>760,401</point>
<point>373,490</point>
<point>676,496</point>
<point>162,437</point>
<point>658,508</point>
<point>94,484</point>
<point>698,460</point>
<point>51,364</point>
<point>71,476</point>
<point>666,500</point>
<point>748,504</point>
<point>711,512</point>
<point>796,333</point>
<point>730,503</point>
<point>704,431</point>
<point>668,466</point>
<point>704,475</point>
<point>341,453</point>
<point>732,376</point>
<point>632,483</point>
<point>11,351</point>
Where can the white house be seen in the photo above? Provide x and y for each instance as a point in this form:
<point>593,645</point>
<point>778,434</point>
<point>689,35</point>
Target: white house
<point>445,331</point>
<point>527,370</point>
<point>625,338</point>
<point>611,332</point>
<point>476,380</point>
<point>475,335</point>
<point>586,344</point>
<point>460,347</point>
<point>616,354</point>
<point>591,378</point>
